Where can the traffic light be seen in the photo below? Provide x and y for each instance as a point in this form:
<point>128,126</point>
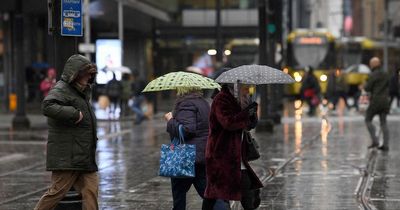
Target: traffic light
<point>274,19</point>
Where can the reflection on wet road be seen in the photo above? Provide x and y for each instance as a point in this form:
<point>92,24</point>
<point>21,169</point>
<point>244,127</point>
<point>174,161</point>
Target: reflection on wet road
<point>308,163</point>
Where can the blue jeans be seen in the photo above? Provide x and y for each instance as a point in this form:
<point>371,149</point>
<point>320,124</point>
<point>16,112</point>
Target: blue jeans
<point>137,108</point>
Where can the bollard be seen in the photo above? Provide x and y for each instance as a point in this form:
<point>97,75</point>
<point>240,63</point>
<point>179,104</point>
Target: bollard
<point>71,201</point>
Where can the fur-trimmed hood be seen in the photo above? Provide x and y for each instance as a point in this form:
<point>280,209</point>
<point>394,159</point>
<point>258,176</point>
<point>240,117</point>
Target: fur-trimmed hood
<point>74,64</point>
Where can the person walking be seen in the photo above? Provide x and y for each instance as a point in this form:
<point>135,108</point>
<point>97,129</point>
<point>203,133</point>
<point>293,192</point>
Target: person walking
<point>378,87</point>
<point>114,91</point>
<point>191,111</point>
<point>139,99</point>
<point>126,94</point>
<point>337,88</point>
<point>47,83</point>
<point>310,90</point>
<point>71,144</point>
<point>341,88</point>
<point>229,175</point>
<point>330,93</point>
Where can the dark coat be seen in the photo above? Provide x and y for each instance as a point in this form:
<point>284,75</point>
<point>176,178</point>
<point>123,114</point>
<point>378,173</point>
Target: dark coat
<point>224,148</point>
<point>192,112</point>
<point>394,84</point>
<point>70,146</point>
<point>310,82</point>
<point>378,86</point>
<point>331,86</point>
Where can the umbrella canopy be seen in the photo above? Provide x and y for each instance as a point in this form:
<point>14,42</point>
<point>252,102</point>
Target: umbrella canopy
<point>255,75</point>
<point>122,69</point>
<point>173,80</point>
<point>358,68</point>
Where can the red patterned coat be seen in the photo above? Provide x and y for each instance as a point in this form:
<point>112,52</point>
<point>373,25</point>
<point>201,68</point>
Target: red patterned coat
<point>224,148</point>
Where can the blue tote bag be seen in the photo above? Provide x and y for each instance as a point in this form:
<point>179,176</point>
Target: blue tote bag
<point>177,158</point>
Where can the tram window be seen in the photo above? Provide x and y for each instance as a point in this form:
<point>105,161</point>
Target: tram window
<point>310,55</point>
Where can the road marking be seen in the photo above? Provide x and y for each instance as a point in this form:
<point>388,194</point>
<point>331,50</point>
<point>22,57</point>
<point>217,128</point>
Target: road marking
<point>23,169</point>
<point>115,134</point>
<point>12,157</point>
<point>102,137</point>
<point>23,195</point>
<point>23,142</point>
<point>385,199</point>
<point>390,118</point>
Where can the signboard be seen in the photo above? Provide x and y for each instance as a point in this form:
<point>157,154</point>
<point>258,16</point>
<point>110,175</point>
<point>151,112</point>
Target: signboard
<point>108,56</point>
<point>86,48</point>
<point>310,40</point>
<point>71,18</point>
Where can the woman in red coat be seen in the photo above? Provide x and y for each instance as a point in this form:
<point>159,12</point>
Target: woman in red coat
<point>229,175</point>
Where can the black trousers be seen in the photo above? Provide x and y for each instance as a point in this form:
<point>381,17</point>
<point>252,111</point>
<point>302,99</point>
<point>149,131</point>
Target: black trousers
<point>369,116</point>
<point>250,198</point>
<point>180,186</point>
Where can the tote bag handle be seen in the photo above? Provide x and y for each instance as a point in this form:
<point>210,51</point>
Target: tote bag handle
<point>181,136</point>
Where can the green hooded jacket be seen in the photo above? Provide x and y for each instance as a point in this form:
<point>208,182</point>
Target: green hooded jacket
<point>70,145</point>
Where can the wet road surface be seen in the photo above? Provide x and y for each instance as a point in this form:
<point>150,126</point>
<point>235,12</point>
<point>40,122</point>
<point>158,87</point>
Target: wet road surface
<point>307,163</point>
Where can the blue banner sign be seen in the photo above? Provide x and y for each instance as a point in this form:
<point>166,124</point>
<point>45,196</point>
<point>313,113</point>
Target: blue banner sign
<point>71,18</point>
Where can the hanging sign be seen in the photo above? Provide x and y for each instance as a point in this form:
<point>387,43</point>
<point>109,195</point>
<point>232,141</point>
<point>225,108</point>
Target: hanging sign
<point>71,18</point>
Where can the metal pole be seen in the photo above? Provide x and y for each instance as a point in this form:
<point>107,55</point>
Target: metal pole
<point>156,62</point>
<point>285,15</point>
<point>87,27</point>
<point>121,27</point>
<point>264,123</point>
<point>295,18</point>
<point>386,34</point>
<point>219,47</point>
<point>7,61</point>
<point>262,32</point>
<point>20,121</point>
<point>372,5</point>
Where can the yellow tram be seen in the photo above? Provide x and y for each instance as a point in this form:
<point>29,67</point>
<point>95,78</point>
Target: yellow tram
<point>315,48</point>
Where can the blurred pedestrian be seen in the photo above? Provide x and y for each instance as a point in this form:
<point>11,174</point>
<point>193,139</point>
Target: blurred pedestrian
<point>114,91</point>
<point>48,82</point>
<point>191,111</point>
<point>394,87</point>
<point>310,90</point>
<point>139,100</point>
<point>330,93</point>
<point>379,104</point>
<point>126,94</point>
<point>71,145</point>
<point>355,93</point>
<point>229,175</point>
<point>341,88</point>
<point>336,88</point>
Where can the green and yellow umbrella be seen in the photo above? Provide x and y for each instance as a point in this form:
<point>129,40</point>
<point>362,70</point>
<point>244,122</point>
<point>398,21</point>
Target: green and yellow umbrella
<point>174,80</point>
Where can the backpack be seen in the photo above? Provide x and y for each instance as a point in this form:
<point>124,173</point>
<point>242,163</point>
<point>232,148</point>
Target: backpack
<point>114,88</point>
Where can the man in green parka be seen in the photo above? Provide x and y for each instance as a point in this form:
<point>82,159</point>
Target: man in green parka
<point>72,138</point>
<point>378,88</point>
